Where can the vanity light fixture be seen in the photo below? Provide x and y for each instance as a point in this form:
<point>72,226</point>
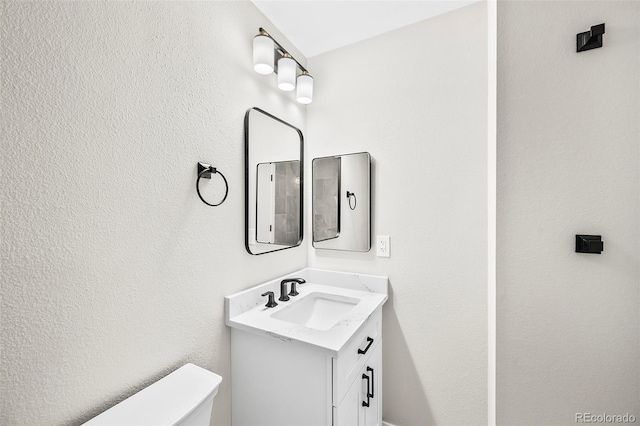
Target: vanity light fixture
<point>286,73</point>
<point>304,92</point>
<point>263,54</point>
<point>267,52</point>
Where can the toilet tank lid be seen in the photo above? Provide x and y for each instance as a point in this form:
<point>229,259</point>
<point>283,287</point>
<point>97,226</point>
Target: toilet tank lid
<point>164,402</point>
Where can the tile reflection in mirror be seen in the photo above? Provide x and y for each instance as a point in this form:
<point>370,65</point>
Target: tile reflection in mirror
<point>278,203</point>
<point>326,200</point>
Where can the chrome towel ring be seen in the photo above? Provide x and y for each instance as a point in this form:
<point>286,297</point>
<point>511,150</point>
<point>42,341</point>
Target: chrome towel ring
<point>205,171</point>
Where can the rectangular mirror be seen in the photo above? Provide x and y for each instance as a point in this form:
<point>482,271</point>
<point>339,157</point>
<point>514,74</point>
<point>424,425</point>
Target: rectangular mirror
<point>273,183</point>
<point>341,202</point>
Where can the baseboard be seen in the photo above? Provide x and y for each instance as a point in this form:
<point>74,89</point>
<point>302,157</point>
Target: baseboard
<point>387,424</point>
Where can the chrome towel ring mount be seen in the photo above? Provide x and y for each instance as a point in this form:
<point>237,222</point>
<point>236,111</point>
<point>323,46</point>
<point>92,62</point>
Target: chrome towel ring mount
<point>205,171</point>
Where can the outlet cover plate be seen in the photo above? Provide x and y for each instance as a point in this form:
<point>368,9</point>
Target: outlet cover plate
<point>382,246</point>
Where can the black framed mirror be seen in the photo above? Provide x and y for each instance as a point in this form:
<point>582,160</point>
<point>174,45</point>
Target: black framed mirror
<point>274,173</point>
<point>341,202</point>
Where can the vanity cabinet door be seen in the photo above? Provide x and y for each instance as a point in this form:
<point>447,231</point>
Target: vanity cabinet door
<point>349,413</point>
<point>362,403</point>
<point>372,415</point>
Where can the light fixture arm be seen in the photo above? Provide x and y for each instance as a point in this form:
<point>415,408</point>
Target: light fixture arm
<point>282,51</point>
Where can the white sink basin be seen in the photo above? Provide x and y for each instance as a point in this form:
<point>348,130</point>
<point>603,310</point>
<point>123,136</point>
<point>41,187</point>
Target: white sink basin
<point>319,311</point>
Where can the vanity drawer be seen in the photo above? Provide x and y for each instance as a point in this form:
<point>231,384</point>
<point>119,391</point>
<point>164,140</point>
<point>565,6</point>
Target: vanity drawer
<point>354,355</point>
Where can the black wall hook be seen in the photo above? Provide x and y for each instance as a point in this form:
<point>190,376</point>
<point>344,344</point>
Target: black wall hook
<point>590,39</point>
<point>589,244</point>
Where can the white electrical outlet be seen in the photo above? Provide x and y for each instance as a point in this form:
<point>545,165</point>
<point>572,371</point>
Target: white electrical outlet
<point>382,246</point>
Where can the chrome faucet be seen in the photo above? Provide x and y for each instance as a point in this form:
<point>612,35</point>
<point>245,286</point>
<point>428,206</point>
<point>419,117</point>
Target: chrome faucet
<point>283,288</point>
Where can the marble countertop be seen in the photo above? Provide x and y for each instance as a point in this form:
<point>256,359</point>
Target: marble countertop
<point>247,311</point>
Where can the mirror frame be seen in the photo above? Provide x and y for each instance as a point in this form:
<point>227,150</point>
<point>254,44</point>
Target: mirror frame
<point>246,181</point>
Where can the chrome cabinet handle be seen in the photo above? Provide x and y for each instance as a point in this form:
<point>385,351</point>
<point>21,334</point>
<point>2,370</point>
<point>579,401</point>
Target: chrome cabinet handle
<point>370,340</point>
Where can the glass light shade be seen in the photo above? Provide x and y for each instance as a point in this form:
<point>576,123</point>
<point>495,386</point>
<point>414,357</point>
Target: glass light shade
<point>304,91</point>
<point>287,74</point>
<point>263,54</point>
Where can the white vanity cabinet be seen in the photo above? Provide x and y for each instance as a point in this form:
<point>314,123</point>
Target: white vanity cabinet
<point>278,381</point>
<point>312,360</point>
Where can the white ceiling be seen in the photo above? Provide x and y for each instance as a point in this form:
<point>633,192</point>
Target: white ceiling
<point>316,27</point>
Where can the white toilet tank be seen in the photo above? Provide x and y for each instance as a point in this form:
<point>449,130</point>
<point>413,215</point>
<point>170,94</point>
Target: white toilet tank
<point>184,397</point>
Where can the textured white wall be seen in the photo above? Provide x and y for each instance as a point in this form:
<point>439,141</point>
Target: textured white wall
<point>113,271</point>
<point>416,99</point>
<point>568,163</point>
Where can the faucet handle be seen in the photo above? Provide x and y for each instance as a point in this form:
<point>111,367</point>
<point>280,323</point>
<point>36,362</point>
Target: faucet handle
<point>271,303</point>
<point>293,291</point>
<point>294,282</point>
